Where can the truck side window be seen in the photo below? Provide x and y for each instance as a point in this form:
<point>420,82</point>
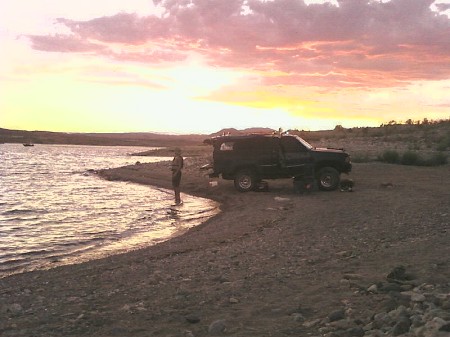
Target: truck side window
<point>227,146</point>
<point>291,144</point>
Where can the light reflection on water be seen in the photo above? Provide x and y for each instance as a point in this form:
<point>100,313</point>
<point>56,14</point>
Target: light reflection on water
<point>53,211</point>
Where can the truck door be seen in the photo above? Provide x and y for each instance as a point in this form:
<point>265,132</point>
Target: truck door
<point>260,153</point>
<point>295,156</point>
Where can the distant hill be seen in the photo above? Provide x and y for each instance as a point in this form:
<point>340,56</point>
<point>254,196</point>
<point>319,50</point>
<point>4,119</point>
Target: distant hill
<point>115,139</point>
<point>106,139</point>
<point>232,131</point>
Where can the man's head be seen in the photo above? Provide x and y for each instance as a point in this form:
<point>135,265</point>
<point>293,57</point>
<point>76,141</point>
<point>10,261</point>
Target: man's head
<point>177,151</point>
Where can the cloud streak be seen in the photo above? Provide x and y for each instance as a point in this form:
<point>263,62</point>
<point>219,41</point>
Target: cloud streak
<point>355,44</point>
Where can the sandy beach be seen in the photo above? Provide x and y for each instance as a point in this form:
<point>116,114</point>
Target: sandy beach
<point>373,262</point>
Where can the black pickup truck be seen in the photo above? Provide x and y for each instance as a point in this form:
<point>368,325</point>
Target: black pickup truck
<point>248,159</point>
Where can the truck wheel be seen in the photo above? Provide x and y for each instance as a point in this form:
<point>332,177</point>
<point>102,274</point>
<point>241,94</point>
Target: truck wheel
<point>328,179</point>
<point>245,181</point>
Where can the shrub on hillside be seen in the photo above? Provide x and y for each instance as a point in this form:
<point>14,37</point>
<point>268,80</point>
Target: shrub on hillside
<point>411,158</point>
<point>439,158</point>
<point>444,143</point>
<point>361,158</point>
<point>390,156</point>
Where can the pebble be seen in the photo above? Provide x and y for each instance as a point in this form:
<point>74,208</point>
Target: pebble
<point>310,324</point>
<point>233,300</point>
<point>414,296</point>
<point>445,327</point>
<point>192,318</point>
<point>14,309</point>
<point>418,313</point>
<point>298,317</point>
<point>373,288</point>
<point>353,276</point>
<point>336,315</point>
<point>402,326</point>
<point>356,331</point>
<point>217,327</point>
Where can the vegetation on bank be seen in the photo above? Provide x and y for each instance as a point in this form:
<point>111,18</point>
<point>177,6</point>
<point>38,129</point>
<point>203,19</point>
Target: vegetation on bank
<point>418,134</point>
<point>419,143</point>
<point>413,158</point>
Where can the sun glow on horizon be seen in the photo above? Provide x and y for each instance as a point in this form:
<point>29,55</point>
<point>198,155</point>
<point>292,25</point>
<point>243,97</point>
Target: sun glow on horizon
<point>92,96</point>
<point>80,103</point>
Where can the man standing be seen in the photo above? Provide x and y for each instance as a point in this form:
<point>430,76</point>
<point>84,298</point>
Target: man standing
<point>177,165</point>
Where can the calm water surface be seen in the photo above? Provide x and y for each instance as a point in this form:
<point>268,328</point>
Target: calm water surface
<point>55,211</point>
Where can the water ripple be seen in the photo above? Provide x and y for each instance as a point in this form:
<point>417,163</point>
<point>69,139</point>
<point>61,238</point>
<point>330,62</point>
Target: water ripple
<point>54,210</point>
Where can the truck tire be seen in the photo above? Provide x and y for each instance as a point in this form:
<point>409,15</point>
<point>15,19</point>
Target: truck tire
<point>328,179</point>
<point>245,180</point>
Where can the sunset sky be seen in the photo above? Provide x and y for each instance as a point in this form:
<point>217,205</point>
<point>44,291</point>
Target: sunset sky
<point>197,66</point>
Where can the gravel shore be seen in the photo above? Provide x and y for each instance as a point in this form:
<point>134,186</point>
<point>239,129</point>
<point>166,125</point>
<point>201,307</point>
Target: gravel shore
<point>373,262</point>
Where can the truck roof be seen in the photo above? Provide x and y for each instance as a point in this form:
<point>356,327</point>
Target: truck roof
<point>230,138</point>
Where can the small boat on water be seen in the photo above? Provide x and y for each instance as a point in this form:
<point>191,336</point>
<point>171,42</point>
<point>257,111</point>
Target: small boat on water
<point>28,144</point>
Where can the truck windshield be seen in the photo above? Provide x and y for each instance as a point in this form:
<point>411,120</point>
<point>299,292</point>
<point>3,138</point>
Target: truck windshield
<point>304,142</point>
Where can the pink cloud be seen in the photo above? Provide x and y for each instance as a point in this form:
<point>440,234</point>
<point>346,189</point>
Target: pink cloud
<point>63,43</point>
<point>442,7</point>
<point>121,28</point>
<point>370,43</point>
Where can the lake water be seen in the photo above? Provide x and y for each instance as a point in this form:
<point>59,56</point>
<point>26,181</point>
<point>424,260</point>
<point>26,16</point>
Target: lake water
<point>55,211</point>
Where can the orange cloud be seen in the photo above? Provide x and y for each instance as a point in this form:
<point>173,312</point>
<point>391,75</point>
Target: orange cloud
<point>357,43</point>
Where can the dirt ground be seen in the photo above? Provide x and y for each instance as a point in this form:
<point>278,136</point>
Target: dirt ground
<point>270,264</point>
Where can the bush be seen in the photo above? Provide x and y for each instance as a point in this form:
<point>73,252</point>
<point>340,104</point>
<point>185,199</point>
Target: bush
<point>390,156</point>
<point>411,158</point>
<point>444,143</point>
<point>437,159</point>
<point>361,158</point>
